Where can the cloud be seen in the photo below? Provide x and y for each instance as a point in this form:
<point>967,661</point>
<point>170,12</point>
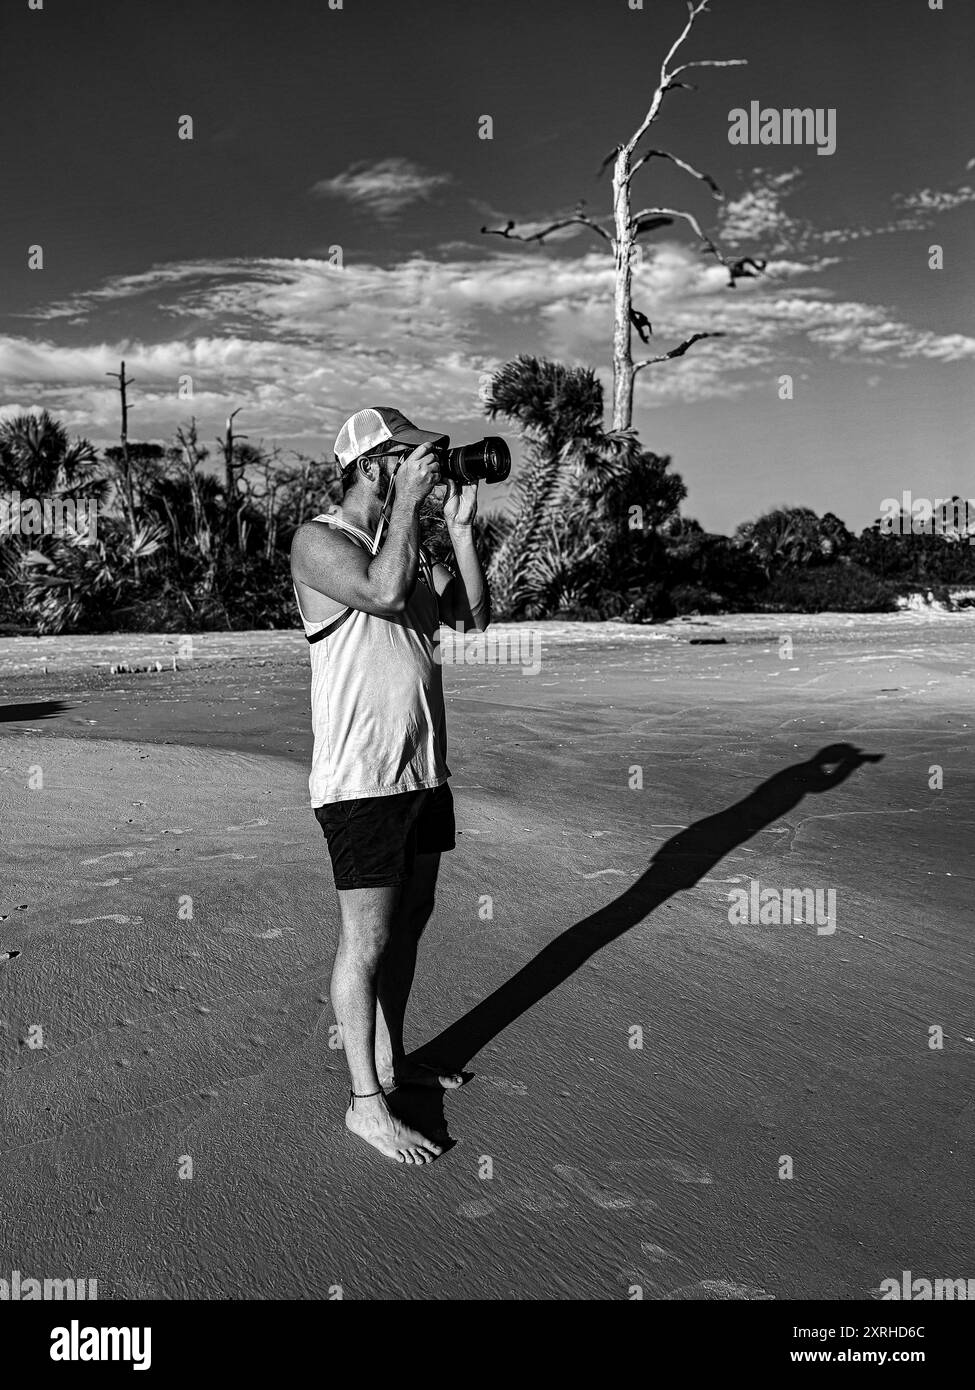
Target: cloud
<point>300,343</point>
<point>934,201</point>
<point>756,218</point>
<point>8,412</point>
<point>384,187</point>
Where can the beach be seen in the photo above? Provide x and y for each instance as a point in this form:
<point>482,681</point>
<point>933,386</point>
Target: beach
<point>665,1103</point>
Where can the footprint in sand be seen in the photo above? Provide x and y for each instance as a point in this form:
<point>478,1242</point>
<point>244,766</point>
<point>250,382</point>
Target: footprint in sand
<point>531,1200</point>
<point>202,858</point>
<point>720,1290</point>
<point>512,1088</point>
<point>597,1192</point>
<point>683,1172</point>
<point>656,1254</point>
<point>524,1198</point>
<point>475,1210</point>
<point>111,917</point>
<point>115,854</point>
<point>600,873</point>
<point>248,825</point>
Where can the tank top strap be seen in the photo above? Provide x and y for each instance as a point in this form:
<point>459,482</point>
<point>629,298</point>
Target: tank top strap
<point>336,519</point>
<point>315,630</point>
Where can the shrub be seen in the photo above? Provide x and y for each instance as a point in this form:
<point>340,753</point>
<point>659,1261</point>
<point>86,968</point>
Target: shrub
<point>836,588</point>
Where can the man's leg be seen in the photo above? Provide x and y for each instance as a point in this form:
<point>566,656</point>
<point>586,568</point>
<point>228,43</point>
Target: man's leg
<point>366,929</point>
<point>395,980</point>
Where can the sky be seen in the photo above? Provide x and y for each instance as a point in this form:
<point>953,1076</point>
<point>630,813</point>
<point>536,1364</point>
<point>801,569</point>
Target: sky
<point>316,246</point>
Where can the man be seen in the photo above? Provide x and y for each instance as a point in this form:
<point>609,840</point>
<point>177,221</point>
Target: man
<point>371,604</point>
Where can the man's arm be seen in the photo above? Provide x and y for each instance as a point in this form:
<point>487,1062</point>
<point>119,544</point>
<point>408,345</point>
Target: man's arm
<point>463,598</point>
<point>327,561</point>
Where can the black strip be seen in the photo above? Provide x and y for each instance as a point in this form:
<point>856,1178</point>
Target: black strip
<point>332,627</point>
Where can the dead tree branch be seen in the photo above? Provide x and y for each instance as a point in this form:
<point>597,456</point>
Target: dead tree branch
<point>667,82</point>
<point>675,352</point>
<point>638,218</point>
<point>682,164</point>
<point>510,234</point>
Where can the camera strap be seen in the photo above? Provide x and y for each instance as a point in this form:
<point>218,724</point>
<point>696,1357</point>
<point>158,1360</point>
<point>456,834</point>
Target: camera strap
<point>384,515</point>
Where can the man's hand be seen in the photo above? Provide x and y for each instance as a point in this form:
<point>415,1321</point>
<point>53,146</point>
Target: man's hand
<point>460,505</point>
<point>463,598</point>
<point>416,477</point>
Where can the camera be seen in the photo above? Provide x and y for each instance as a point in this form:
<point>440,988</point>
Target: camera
<point>489,460</point>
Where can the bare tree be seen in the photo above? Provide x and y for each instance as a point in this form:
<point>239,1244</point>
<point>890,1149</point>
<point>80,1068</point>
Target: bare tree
<point>304,464</point>
<point>626,160</point>
<point>233,467</point>
<point>187,457</point>
<point>263,479</point>
<point>125,465</point>
<point>317,481</point>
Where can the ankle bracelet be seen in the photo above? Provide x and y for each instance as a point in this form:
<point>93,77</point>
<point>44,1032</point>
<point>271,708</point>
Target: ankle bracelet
<point>363,1095</point>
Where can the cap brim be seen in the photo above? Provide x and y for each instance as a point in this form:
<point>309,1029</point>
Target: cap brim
<point>416,437</point>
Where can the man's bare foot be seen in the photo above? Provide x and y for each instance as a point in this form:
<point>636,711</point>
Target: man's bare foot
<point>372,1121</point>
<point>409,1073</point>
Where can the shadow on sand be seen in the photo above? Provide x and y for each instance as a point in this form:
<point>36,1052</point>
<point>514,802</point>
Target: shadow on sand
<point>679,864</point>
<point>40,709</point>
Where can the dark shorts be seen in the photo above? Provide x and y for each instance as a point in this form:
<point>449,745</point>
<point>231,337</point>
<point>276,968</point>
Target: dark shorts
<point>373,841</point>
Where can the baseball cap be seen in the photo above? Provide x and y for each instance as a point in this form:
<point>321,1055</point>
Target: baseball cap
<point>375,425</point>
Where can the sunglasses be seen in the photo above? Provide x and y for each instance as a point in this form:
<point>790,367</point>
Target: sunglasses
<point>398,454</point>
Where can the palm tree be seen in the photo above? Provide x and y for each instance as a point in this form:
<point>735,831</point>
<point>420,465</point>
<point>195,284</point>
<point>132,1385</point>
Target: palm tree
<point>559,410</point>
<point>38,459</point>
<point>75,581</point>
<point>40,462</point>
<point>569,544</point>
<point>782,536</point>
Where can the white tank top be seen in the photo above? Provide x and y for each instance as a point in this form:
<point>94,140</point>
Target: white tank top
<point>376,695</point>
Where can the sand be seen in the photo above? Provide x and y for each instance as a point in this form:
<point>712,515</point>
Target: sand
<point>168,890</point>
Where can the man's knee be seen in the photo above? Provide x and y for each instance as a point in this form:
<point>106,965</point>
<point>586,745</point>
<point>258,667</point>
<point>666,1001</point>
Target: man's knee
<point>366,927</point>
<point>362,946</point>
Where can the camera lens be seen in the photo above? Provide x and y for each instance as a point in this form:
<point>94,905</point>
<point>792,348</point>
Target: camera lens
<point>489,460</point>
